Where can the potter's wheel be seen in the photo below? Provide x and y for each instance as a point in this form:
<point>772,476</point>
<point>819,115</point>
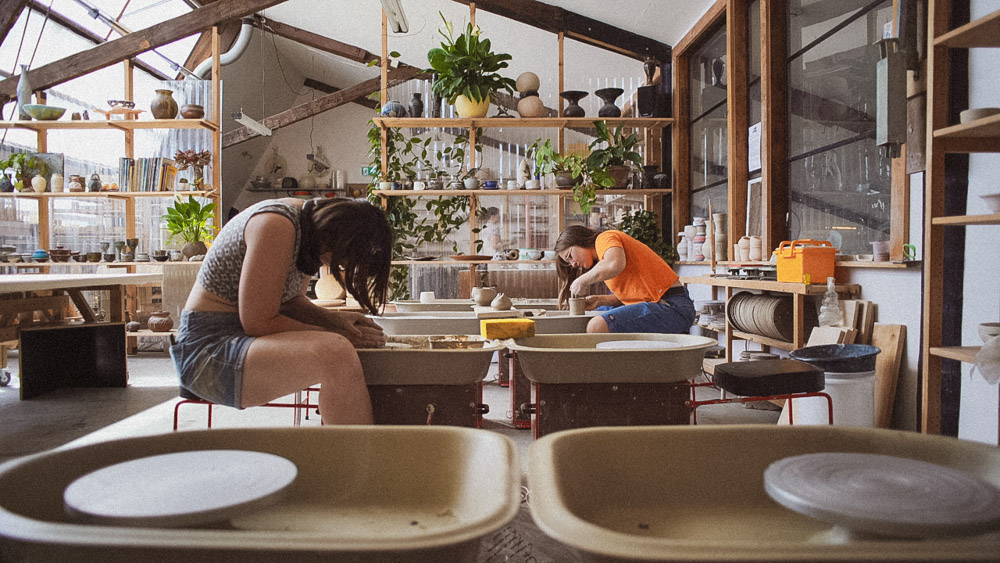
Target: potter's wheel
<point>886,496</point>
<point>179,489</point>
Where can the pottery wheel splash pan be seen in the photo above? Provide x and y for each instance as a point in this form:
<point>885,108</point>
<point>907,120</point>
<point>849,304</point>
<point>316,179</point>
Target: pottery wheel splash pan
<point>654,494</point>
<point>457,359</point>
<point>589,358</point>
<point>459,322</point>
<point>412,305</point>
<point>373,494</point>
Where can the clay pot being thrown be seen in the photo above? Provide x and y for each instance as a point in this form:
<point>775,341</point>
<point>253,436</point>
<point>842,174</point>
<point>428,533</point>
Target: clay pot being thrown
<point>160,321</point>
<point>485,295</point>
<point>501,302</point>
<point>163,105</point>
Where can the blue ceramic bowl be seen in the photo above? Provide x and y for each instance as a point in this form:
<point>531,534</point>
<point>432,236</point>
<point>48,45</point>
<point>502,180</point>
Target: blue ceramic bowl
<point>44,113</point>
<point>393,108</point>
<point>490,185</point>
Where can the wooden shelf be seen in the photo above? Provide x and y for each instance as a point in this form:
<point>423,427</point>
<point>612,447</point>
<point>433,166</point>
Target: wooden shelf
<point>50,264</point>
<point>983,128</point>
<point>991,219</point>
<point>498,122</point>
<point>513,193</point>
<point>123,195</point>
<point>760,285</point>
<point>463,262</point>
<point>984,32</point>
<point>774,343</point>
<point>965,354</point>
<point>114,124</point>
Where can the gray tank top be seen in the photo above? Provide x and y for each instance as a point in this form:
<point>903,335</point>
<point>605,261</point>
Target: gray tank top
<point>220,272</point>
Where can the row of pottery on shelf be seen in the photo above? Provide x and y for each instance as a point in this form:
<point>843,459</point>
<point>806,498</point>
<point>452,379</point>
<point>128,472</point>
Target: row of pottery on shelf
<point>159,321</point>
<point>164,106</point>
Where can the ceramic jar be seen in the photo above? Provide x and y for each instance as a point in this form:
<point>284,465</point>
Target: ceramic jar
<point>416,105</point>
<point>484,296</point>
<point>192,111</point>
<point>57,183</point>
<point>160,321</point>
<point>756,249</point>
<point>163,106</point>
<point>24,90</point>
<point>744,245</point>
<point>38,183</point>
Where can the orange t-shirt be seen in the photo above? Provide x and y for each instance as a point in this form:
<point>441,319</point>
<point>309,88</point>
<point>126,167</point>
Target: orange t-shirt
<point>646,276</point>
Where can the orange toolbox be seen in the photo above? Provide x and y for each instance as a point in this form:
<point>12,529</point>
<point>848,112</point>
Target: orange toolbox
<point>805,261</point>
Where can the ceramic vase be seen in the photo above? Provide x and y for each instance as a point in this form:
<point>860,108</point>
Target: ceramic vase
<point>392,108</point>
<point>416,105</point>
<point>609,95</point>
<point>57,183</point>
<point>163,106</point>
<point>160,321</point>
<point>649,69</point>
<point>573,97</point>
<point>38,183</point>
<point>327,287</point>
<point>6,185</point>
<point>23,93</point>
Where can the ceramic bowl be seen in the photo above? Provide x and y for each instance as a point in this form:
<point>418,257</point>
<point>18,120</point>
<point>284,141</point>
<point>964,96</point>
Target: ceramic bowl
<point>532,254</point>
<point>988,331</point>
<point>993,201</point>
<point>973,114</point>
<point>14,258</point>
<point>44,113</point>
<point>121,104</point>
<point>160,257</point>
<point>78,257</point>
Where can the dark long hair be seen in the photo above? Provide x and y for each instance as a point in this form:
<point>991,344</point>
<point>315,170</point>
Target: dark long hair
<point>574,235</point>
<point>357,235</point>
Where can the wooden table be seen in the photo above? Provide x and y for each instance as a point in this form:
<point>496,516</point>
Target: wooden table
<point>53,352</point>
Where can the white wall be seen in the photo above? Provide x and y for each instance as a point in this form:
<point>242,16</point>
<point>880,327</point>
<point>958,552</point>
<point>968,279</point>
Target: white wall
<point>978,413</point>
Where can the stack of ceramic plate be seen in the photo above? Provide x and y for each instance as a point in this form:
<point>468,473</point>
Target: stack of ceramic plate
<point>766,315</point>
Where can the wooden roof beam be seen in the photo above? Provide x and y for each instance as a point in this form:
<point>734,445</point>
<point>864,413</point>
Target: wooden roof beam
<point>10,10</point>
<point>320,105</point>
<point>581,28</point>
<point>135,43</point>
<point>316,41</point>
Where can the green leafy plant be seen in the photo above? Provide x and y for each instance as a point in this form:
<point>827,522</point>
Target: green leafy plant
<point>188,220</point>
<point>25,166</point>
<point>575,166</point>
<point>618,150</point>
<point>466,65</point>
<point>643,226</point>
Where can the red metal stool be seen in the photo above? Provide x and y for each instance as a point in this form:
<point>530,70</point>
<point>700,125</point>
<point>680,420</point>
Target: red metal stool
<point>189,398</point>
<point>763,381</point>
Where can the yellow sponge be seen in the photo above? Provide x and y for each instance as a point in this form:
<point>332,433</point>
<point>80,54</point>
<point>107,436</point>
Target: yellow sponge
<point>507,328</point>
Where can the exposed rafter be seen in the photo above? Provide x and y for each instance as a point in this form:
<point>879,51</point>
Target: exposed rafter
<point>320,105</point>
<point>581,28</point>
<point>135,43</point>
<point>9,11</point>
<point>327,89</point>
<point>316,41</point>
<point>87,34</point>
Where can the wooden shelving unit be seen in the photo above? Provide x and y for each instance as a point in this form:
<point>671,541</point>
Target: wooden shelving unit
<point>540,122</point>
<point>798,291</point>
<point>981,135</point>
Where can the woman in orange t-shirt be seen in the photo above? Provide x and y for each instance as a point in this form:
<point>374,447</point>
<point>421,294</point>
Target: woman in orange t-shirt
<point>646,294</point>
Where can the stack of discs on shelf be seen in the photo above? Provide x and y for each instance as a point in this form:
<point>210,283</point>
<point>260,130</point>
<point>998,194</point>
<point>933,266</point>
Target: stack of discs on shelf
<point>766,315</point>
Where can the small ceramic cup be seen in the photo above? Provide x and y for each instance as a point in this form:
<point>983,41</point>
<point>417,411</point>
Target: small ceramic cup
<point>426,296</point>
<point>176,256</point>
<point>418,185</point>
<point>511,184</point>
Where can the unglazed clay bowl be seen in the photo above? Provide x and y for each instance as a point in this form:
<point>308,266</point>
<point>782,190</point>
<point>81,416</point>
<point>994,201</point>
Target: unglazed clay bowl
<point>988,331</point>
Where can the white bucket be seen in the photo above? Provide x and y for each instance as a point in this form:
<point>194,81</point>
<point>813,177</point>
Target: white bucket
<point>853,397</point>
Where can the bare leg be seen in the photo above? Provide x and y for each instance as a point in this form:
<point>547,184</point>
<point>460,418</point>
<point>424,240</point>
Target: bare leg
<point>280,364</point>
<point>597,325</point>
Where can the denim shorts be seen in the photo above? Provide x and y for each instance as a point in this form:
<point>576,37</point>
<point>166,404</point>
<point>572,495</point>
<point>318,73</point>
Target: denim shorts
<point>209,354</point>
<point>672,314</point>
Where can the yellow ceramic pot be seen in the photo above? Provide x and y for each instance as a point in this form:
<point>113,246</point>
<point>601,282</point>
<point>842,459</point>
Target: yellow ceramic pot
<point>466,107</point>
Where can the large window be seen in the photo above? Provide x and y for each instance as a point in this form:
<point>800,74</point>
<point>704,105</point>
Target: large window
<point>708,110</point>
<point>839,185</point>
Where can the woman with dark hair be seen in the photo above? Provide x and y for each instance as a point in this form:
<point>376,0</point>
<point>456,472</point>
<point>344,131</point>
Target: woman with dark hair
<point>249,334</point>
<point>646,293</point>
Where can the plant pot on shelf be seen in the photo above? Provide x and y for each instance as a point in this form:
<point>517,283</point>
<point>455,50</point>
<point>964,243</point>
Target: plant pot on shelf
<point>466,107</point>
<point>565,180</point>
<point>619,174</point>
<point>194,249</point>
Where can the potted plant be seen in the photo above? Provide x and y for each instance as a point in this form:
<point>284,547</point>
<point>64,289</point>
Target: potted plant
<point>609,164</point>
<point>466,69</point>
<point>189,221</point>
<point>571,171</point>
<point>25,166</point>
<point>642,225</point>
<point>196,161</point>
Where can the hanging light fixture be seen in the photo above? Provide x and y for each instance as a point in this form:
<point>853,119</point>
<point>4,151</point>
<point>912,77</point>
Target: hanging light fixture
<point>395,16</point>
<point>251,123</point>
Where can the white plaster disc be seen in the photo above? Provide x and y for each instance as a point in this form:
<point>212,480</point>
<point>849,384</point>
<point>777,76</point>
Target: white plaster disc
<point>179,489</point>
<point>885,495</point>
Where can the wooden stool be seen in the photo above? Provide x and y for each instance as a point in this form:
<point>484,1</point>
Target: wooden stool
<point>766,380</point>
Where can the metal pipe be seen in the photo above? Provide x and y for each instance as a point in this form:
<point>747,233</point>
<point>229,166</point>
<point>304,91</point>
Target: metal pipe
<point>242,42</point>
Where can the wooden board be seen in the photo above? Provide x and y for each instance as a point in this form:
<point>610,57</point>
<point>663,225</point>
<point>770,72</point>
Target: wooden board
<point>889,339</point>
<point>866,320</point>
<point>849,312</point>
<point>827,335</point>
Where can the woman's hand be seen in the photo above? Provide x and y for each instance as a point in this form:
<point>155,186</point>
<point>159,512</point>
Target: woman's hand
<point>595,301</point>
<point>356,327</point>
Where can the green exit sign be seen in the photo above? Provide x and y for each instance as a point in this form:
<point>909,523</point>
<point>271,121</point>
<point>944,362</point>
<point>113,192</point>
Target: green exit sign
<point>369,170</point>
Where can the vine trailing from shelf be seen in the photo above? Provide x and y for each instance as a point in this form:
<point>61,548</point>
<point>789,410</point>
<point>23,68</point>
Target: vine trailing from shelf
<point>405,156</point>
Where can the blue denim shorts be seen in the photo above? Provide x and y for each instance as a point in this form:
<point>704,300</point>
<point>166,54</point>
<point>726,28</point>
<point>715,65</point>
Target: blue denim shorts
<point>672,314</point>
<point>209,354</point>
